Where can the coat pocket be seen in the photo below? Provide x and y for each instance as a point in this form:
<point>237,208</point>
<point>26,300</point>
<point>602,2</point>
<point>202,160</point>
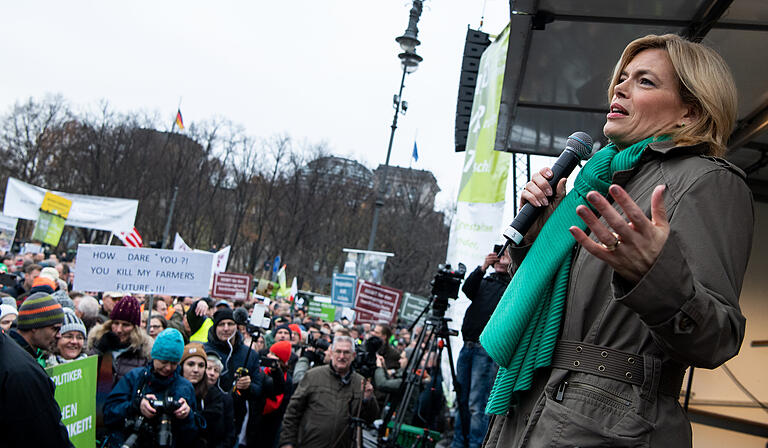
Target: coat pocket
<point>585,415</point>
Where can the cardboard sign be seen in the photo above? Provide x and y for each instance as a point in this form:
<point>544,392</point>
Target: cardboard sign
<point>376,303</point>
<point>343,289</point>
<point>76,395</point>
<point>412,306</point>
<point>228,285</point>
<point>7,232</point>
<point>146,271</point>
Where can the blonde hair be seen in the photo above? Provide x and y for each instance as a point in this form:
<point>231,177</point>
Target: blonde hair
<point>705,83</point>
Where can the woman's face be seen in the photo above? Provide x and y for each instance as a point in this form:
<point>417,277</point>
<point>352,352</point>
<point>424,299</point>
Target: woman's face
<point>164,368</point>
<point>70,344</point>
<point>260,344</point>
<point>193,369</point>
<point>155,327</point>
<point>122,329</point>
<point>646,100</point>
<point>6,321</point>
<point>212,373</point>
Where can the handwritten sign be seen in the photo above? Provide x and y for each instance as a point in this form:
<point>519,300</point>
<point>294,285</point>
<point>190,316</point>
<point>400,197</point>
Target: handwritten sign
<point>146,271</point>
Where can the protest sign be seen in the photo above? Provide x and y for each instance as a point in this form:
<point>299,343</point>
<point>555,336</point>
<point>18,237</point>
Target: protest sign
<point>76,395</point>
<point>344,289</point>
<point>228,285</point>
<point>321,307</point>
<point>7,232</point>
<point>412,306</point>
<point>31,248</point>
<point>56,205</point>
<point>376,303</point>
<point>22,200</point>
<point>147,271</point>
<point>48,228</point>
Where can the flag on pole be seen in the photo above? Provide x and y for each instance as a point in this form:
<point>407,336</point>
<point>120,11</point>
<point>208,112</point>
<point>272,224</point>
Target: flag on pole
<point>179,121</point>
<point>294,290</point>
<point>415,154</point>
<point>132,238</point>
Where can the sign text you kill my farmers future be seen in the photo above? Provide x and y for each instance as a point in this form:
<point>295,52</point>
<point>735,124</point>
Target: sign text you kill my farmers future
<point>146,271</point>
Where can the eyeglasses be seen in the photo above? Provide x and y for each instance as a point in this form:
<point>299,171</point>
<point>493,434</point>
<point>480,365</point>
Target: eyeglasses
<point>342,352</point>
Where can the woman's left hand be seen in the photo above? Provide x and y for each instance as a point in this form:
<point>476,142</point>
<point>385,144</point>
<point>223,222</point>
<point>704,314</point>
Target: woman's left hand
<point>631,247</point>
<point>183,411</point>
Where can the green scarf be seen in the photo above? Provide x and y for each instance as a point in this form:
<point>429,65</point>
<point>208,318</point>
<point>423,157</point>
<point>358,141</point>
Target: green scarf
<point>522,332</point>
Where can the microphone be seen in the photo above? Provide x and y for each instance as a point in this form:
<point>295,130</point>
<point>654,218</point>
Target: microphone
<point>577,147</point>
<point>240,316</point>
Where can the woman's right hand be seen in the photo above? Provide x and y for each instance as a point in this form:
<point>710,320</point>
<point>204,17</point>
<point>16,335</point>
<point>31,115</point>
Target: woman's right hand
<point>145,408</point>
<point>538,193</point>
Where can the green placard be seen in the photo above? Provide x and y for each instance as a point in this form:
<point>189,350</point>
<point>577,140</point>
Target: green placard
<point>48,228</point>
<point>76,394</point>
<point>323,310</point>
<point>411,308</point>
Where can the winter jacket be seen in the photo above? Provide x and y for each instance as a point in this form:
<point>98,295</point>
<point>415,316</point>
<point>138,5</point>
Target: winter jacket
<point>29,415</point>
<point>485,293</point>
<point>124,358</point>
<point>683,312</point>
<point>123,403</point>
<point>233,356</point>
<point>272,418</point>
<point>217,410</point>
<point>321,407</point>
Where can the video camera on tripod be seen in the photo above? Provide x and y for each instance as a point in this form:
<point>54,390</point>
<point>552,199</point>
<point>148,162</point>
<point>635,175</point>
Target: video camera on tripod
<point>365,356</point>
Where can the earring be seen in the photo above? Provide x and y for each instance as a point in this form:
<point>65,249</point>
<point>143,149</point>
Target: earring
<point>681,125</point>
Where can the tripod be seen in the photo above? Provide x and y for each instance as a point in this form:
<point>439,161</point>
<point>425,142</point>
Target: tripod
<point>432,339</point>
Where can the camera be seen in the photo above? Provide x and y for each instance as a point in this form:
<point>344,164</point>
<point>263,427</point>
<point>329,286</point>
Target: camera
<point>165,409</point>
<point>445,285</point>
<point>365,356</point>
<point>270,363</point>
<point>318,343</point>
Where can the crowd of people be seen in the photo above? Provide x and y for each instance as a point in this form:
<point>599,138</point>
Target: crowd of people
<point>195,365</point>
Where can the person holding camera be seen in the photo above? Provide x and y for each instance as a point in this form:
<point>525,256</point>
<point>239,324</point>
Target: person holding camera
<point>321,409</point>
<point>154,405</point>
<point>274,408</point>
<point>241,374</point>
<point>475,370</point>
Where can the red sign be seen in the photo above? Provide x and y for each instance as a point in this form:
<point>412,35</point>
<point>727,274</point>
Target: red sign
<point>375,303</point>
<point>228,285</point>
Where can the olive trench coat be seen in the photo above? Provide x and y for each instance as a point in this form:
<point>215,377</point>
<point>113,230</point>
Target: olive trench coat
<point>683,312</point>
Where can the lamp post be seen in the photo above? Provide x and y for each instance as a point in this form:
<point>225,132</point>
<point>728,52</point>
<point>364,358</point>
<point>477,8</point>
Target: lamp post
<point>410,62</point>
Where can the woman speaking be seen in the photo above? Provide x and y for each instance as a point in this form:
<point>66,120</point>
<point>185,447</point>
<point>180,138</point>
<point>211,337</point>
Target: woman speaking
<point>636,273</point>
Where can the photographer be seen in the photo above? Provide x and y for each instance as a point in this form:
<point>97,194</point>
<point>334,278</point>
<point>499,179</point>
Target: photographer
<point>320,411</point>
<point>274,408</point>
<point>241,374</point>
<point>151,404</point>
<point>475,370</point>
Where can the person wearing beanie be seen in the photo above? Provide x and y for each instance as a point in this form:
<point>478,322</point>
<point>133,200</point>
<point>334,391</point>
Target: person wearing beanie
<point>69,347</point>
<point>160,380</point>
<point>210,400</point>
<point>8,314</point>
<point>295,334</point>
<point>286,332</point>
<point>50,273</point>
<point>38,324</point>
<point>274,408</point>
<point>283,332</point>
<point>121,337</point>
<point>197,323</point>
<point>249,391</point>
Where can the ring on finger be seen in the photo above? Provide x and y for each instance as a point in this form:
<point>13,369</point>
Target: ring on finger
<point>612,247</point>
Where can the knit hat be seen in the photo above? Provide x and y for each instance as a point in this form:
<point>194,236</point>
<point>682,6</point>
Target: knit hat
<point>194,349</point>
<point>50,273</point>
<point>63,298</point>
<point>223,314</point>
<point>8,309</point>
<point>169,345</point>
<point>223,302</point>
<point>72,323</point>
<point>9,301</point>
<point>127,309</point>
<point>44,281</point>
<point>194,321</point>
<point>282,349</point>
<point>40,310</point>
<point>295,328</point>
<point>283,327</point>
<point>214,358</point>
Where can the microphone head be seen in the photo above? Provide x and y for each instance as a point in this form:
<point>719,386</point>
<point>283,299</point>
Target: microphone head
<point>240,316</point>
<point>580,143</point>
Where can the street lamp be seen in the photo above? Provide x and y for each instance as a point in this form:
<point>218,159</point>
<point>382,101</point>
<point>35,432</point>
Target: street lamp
<point>410,62</point>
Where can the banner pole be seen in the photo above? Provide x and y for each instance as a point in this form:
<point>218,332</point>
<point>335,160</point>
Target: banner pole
<point>111,234</point>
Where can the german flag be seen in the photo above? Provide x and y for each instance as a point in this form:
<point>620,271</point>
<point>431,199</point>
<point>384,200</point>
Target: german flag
<point>179,121</point>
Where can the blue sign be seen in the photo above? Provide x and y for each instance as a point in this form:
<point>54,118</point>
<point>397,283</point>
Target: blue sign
<point>344,287</point>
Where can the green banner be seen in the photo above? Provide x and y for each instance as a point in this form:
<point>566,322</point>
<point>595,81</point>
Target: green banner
<point>325,311</point>
<point>411,308</point>
<point>484,177</point>
<point>48,228</point>
<point>76,394</point>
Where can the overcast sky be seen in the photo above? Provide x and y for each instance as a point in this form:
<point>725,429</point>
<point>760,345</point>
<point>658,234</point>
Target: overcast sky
<point>318,70</point>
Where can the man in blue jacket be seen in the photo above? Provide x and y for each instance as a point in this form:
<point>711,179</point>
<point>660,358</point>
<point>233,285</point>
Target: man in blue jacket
<point>133,397</point>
